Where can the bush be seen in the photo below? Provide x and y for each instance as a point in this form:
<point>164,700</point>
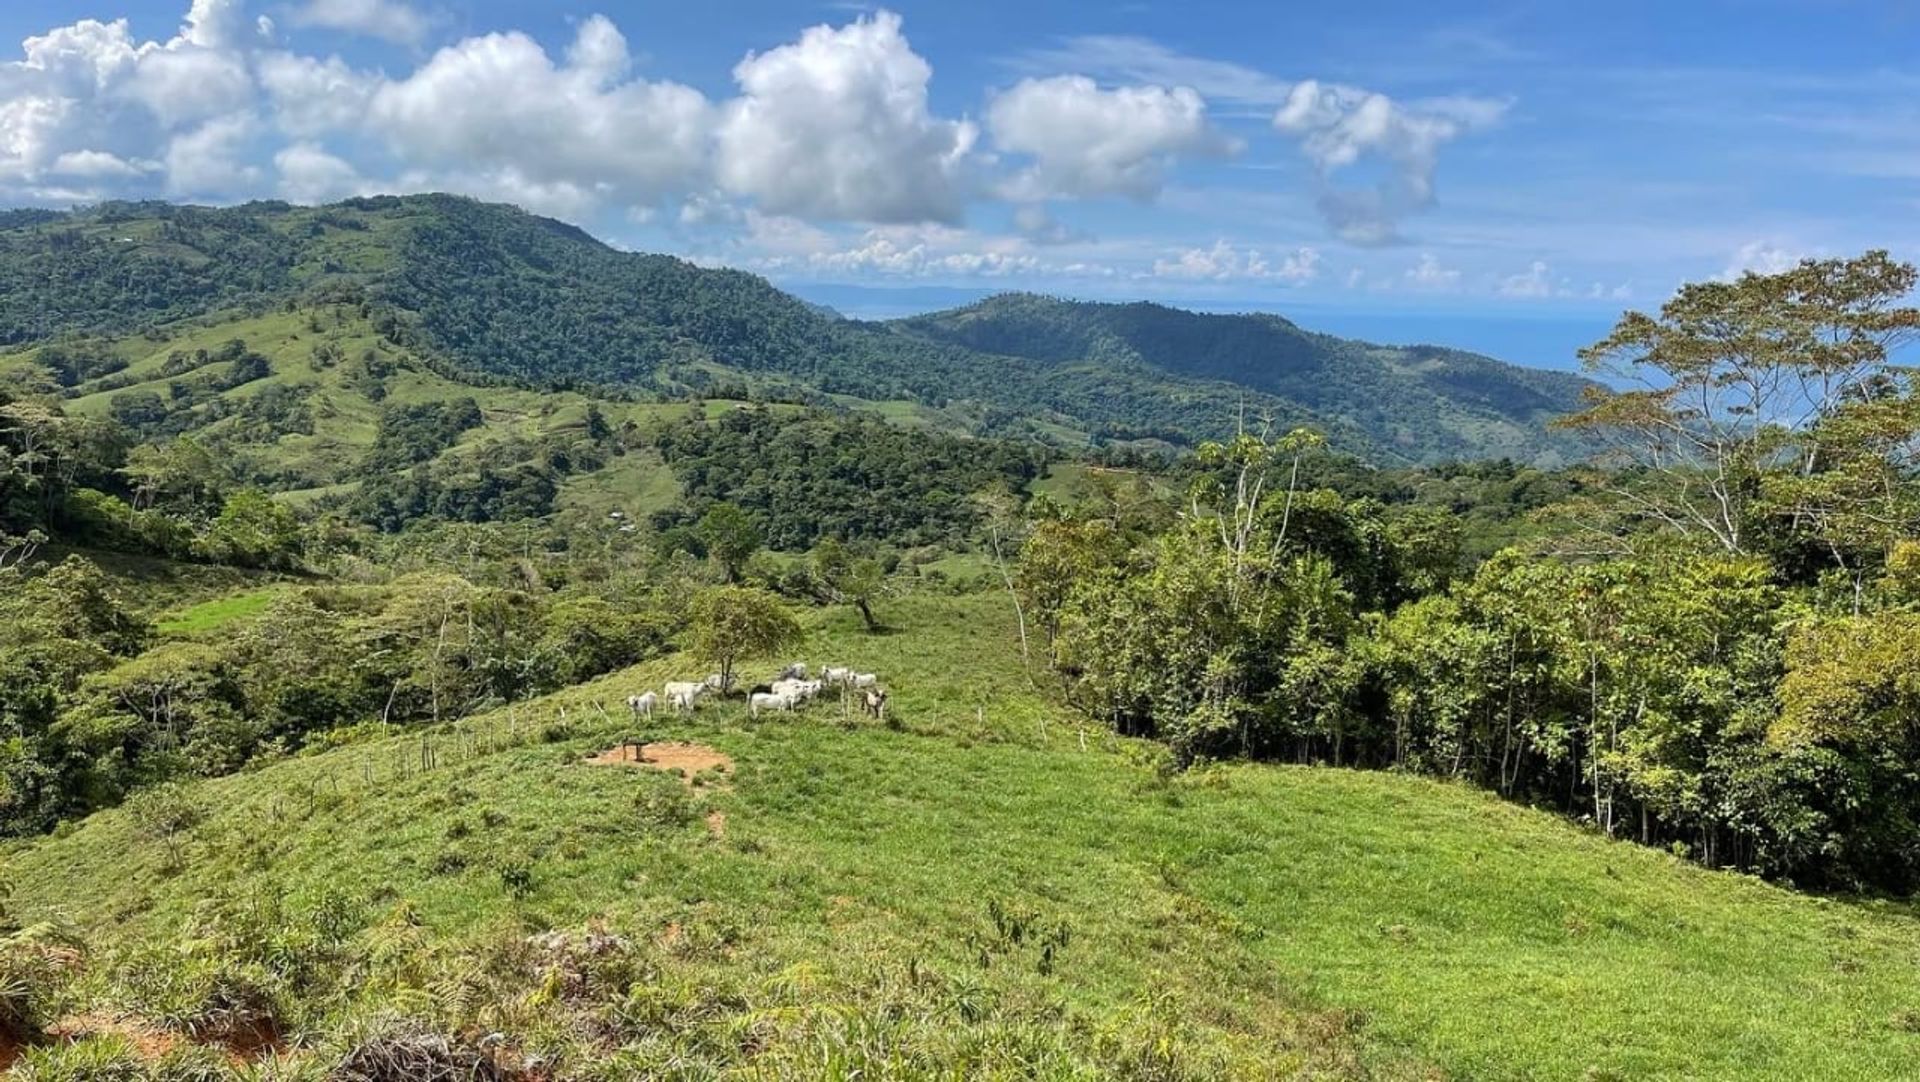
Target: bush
<point>410,1052</point>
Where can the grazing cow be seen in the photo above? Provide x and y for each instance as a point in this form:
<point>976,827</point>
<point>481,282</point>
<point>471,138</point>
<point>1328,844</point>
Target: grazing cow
<point>716,682</point>
<point>799,691</point>
<point>682,696</point>
<point>835,676</point>
<point>875,702</point>
<point>642,705</point>
<point>760,689</point>
<point>864,680</point>
<point>769,701</point>
<point>795,671</point>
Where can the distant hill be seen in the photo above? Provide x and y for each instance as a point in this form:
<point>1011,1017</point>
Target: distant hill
<point>493,291</point>
<point>1418,401</point>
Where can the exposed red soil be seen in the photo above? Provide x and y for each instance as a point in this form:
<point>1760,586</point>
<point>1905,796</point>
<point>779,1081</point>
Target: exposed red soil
<point>149,1042</point>
<point>683,759</point>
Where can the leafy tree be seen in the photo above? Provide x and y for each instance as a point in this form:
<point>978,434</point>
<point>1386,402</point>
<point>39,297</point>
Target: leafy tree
<point>729,537</point>
<point>729,624</point>
<point>254,531</point>
<point>1736,383</point>
<point>843,578</point>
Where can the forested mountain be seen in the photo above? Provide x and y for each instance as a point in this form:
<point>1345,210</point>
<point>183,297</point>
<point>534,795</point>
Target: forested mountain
<point>490,290</point>
<point>1419,401</point>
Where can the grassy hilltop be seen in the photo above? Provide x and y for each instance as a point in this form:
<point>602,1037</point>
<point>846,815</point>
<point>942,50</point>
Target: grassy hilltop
<point>988,886</point>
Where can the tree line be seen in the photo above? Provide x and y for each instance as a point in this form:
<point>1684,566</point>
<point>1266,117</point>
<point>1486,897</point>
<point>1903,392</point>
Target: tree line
<point>1707,642</point>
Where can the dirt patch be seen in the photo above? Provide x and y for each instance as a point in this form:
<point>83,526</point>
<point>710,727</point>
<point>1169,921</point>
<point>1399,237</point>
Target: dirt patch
<point>683,759</point>
<point>149,1042</point>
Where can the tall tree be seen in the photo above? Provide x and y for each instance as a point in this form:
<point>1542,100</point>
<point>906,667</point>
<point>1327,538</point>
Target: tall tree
<point>1736,383</point>
<point>730,537</point>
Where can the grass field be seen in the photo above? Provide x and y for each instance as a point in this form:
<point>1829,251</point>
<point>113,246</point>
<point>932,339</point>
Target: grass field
<point>1292,920</point>
<point>217,614</point>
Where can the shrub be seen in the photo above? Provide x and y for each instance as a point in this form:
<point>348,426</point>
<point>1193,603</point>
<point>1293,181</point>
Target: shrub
<point>410,1052</point>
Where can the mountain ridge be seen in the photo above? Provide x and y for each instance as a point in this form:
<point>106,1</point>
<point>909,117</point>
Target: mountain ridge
<point>499,291</point>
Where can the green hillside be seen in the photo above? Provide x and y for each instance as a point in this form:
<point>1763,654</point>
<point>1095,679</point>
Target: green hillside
<point>490,292</point>
<point>985,886</point>
<point>1420,401</point>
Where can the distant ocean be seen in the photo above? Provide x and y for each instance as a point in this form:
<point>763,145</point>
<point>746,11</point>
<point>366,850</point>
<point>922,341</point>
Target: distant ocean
<point>1535,339</point>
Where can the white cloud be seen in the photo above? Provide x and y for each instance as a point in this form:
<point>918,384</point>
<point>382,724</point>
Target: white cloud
<point>1085,141</point>
<point>1429,274</point>
<point>1761,257</point>
<point>309,174</point>
<point>207,161</point>
<point>86,96</point>
<point>311,97</point>
<point>214,24</point>
<point>392,20</point>
<point>93,164</point>
<point>1340,126</point>
<point>495,114</point>
<point>188,84</point>
<point>1536,282</point>
<point>836,126</point>
<point>1224,262</point>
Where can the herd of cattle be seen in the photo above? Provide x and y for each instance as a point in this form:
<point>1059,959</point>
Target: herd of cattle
<point>791,689</point>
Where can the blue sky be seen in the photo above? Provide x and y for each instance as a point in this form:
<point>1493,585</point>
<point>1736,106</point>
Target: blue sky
<point>1506,177</point>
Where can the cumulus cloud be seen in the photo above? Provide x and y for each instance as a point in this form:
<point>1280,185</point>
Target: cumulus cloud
<point>392,20</point>
<point>1224,262</point>
<point>87,96</point>
<point>311,97</point>
<point>499,115</point>
<point>1761,257</point>
<point>1086,141</point>
<point>1536,282</point>
<point>208,162</point>
<point>1429,274</point>
<point>1339,127</point>
<point>837,126</point>
<point>309,174</point>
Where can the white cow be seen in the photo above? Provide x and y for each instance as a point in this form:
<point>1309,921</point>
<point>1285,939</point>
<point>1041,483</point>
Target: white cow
<point>768,700</point>
<point>795,671</point>
<point>799,691</point>
<point>835,675</point>
<point>683,695</point>
<point>864,680</point>
<point>642,705</point>
<point>875,702</point>
<point>716,682</point>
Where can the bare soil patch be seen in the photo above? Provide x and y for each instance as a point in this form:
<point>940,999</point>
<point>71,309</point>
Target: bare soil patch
<point>149,1042</point>
<point>674,757</point>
